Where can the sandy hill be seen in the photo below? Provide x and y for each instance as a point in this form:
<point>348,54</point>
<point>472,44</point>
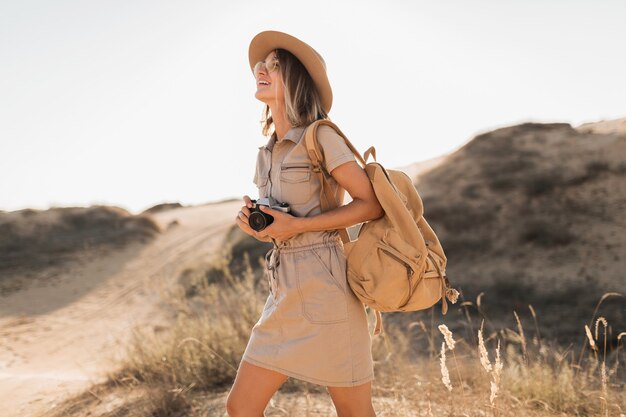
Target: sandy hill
<point>419,168</point>
<point>534,213</point>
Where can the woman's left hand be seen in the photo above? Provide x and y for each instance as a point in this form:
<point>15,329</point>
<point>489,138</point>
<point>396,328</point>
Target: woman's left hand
<point>283,227</point>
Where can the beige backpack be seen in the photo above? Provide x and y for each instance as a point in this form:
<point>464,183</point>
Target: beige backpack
<point>396,263</point>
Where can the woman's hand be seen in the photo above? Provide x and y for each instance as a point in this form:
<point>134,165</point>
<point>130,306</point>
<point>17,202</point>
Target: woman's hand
<point>283,227</point>
<point>242,221</point>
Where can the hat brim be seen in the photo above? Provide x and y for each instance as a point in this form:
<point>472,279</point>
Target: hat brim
<point>265,42</point>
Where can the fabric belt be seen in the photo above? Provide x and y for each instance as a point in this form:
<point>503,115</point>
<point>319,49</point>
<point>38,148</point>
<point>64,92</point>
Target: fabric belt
<point>272,257</point>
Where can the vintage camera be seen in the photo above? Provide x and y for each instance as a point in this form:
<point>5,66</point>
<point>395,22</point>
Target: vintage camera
<point>259,220</point>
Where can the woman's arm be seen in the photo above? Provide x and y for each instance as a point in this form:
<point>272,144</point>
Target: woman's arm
<point>363,207</point>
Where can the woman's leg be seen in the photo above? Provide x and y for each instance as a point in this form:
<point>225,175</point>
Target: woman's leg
<point>353,401</point>
<point>253,388</point>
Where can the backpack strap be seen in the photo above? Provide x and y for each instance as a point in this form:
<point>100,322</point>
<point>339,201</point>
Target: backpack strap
<point>312,144</point>
<point>378,328</point>
<point>327,198</point>
<point>447,292</point>
<point>370,151</point>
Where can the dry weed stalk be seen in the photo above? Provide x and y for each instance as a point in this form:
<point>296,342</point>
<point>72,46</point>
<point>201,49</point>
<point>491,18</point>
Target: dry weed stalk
<point>534,314</point>
<point>483,315</point>
<point>619,345</point>
<point>484,356</point>
<point>495,371</point>
<point>592,343</point>
<point>593,316</point>
<point>464,305</point>
<point>431,342</point>
<point>449,341</point>
<point>213,352</point>
<point>447,334</point>
<point>445,375</point>
<point>520,330</point>
<point>603,375</point>
<point>603,321</point>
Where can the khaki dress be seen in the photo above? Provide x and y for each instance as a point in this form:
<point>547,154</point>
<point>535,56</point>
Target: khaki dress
<point>313,327</point>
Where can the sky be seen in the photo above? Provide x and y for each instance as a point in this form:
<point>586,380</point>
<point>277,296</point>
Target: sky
<point>135,103</point>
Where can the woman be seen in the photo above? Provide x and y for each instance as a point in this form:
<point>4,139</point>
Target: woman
<point>313,327</point>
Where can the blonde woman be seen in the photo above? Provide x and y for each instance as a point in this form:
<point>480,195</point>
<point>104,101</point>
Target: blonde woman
<point>313,327</point>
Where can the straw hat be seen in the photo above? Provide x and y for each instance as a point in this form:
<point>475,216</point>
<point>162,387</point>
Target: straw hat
<point>265,42</point>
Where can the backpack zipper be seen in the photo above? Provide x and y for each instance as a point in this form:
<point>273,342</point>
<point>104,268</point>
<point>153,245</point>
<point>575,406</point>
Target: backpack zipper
<point>409,272</point>
<point>409,268</point>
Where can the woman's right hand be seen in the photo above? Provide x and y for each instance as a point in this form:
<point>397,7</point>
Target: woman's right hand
<point>242,220</point>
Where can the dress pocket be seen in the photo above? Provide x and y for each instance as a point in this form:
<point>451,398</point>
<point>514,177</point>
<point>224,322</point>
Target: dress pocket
<point>295,182</point>
<point>322,294</point>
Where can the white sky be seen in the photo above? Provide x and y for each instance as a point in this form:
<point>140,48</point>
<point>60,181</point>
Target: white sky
<point>133,103</point>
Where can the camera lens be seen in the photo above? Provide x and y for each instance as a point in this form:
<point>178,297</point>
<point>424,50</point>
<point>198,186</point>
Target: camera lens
<point>258,221</point>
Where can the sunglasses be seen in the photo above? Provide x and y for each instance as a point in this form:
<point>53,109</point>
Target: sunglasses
<point>269,67</point>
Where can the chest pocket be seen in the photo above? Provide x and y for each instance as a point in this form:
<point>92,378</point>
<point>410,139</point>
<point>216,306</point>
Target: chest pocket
<point>295,182</point>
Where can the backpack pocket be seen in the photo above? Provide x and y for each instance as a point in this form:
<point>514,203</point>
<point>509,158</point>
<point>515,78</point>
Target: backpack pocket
<point>322,295</point>
<point>295,182</point>
<point>431,270</point>
<point>404,273</point>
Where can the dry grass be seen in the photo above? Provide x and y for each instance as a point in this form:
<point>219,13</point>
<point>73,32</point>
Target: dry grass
<point>188,368</point>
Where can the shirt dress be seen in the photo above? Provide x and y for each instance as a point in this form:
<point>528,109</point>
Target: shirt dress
<point>313,327</point>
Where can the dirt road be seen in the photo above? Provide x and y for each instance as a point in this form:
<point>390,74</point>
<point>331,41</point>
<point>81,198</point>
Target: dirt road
<point>58,334</point>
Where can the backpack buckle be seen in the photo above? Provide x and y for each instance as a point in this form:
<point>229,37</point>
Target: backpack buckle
<point>318,168</point>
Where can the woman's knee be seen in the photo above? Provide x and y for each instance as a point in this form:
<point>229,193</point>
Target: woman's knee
<point>253,388</point>
<point>352,401</point>
<point>360,410</point>
<point>236,406</point>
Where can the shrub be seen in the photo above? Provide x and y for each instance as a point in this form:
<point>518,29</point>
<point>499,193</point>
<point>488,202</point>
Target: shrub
<point>545,234</point>
<point>542,182</point>
<point>457,218</point>
<point>53,236</point>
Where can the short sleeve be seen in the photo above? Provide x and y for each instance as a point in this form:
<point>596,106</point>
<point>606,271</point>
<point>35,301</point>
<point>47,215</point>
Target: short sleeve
<point>334,148</point>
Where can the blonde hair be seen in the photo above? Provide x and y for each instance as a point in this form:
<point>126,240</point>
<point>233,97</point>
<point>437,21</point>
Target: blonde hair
<point>303,104</point>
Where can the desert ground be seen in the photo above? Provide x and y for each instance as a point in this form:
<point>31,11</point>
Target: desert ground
<point>60,329</point>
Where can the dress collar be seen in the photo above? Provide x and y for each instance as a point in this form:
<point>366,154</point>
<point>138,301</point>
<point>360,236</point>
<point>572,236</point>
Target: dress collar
<point>294,134</point>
